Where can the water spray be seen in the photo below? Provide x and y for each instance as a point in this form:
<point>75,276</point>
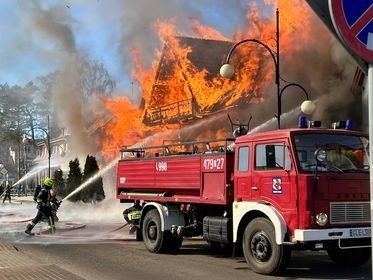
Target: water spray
<point>29,174</point>
<point>35,170</point>
<point>92,178</point>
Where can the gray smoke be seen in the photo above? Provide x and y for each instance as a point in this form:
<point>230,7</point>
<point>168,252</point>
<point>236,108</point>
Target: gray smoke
<point>139,16</point>
<point>53,24</point>
<point>320,65</point>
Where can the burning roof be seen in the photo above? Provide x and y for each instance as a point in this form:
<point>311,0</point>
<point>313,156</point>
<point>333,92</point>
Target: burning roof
<point>174,97</point>
<point>187,85</point>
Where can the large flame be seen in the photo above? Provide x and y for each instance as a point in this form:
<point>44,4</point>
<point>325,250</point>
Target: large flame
<point>182,80</point>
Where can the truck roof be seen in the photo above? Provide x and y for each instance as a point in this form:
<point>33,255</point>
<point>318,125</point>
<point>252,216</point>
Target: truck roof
<point>281,133</point>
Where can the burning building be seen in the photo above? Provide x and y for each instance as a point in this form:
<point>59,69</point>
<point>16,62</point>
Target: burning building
<point>183,84</point>
<point>174,96</point>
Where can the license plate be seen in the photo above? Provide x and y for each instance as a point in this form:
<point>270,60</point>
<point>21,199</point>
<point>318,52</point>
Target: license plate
<point>360,232</point>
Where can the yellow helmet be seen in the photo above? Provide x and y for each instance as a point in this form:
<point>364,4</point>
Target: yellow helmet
<point>48,182</point>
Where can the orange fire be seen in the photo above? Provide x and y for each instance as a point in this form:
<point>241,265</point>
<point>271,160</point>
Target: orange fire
<point>182,80</point>
<point>124,129</point>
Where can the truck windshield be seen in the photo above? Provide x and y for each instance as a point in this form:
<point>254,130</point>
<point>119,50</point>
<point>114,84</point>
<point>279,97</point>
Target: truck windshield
<point>344,153</point>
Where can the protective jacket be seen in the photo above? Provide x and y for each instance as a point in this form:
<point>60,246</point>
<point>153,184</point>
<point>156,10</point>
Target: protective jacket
<point>43,199</point>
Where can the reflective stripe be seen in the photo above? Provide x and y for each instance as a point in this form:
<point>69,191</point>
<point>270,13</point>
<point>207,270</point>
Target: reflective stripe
<point>135,215</point>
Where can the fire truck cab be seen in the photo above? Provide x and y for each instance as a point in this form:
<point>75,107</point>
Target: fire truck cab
<point>262,194</point>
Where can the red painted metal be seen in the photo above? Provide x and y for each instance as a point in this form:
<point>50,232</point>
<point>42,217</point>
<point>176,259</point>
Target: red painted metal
<point>185,177</point>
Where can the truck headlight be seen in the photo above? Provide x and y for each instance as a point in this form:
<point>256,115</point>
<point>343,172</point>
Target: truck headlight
<point>321,219</point>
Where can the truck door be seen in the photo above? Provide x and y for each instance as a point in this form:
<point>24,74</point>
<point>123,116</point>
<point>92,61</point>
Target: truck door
<point>243,173</point>
<point>273,174</point>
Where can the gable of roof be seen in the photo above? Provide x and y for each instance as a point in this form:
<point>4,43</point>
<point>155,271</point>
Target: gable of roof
<point>204,54</point>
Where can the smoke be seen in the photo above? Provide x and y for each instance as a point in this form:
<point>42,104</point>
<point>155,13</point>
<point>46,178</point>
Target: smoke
<point>314,59</point>
<point>138,17</point>
<point>53,24</point>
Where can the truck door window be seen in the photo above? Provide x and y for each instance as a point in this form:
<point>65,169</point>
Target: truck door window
<point>243,159</point>
<point>272,156</point>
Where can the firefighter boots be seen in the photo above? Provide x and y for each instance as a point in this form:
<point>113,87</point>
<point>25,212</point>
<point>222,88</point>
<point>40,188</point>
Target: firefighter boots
<point>29,232</point>
<point>29,227</point>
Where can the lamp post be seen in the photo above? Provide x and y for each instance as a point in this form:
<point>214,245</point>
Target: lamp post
<point>227,71</point>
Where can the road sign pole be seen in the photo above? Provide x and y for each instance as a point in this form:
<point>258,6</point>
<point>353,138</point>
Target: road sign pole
<point>370,109</point>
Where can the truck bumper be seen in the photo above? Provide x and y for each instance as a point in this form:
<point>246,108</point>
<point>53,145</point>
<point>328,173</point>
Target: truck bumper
<point>304,235</point>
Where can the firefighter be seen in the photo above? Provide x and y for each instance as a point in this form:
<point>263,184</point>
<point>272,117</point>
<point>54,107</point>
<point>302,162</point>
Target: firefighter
<point>132,215</point>
<point>44,207</point>
<point>7,193</point>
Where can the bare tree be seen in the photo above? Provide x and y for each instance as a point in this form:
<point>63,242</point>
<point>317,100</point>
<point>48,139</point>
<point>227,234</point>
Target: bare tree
<point>96,80</point>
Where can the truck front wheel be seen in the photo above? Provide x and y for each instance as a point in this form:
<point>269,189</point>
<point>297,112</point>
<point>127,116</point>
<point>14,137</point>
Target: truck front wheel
<point>152,232</point>
<point>261,252</point>
<point>349,257</point>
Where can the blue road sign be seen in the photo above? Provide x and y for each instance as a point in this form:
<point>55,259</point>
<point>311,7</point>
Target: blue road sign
<point>353,21</point>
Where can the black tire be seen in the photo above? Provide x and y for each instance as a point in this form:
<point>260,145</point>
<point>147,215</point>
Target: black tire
<point>261,252</point>
<point>152,234</point>
<point>139,235</point>
<point>349,257</point>
<point>173,242</point>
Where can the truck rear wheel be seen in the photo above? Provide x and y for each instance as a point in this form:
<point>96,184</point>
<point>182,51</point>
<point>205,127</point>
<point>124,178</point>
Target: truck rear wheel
<point>261,252</point>
<point>152,232</point>
<point>349,257</point>
<point>139,235</point>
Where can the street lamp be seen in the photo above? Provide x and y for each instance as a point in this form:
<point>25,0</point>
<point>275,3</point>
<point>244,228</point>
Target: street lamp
<point>227,71</point>
<point>307,106</point>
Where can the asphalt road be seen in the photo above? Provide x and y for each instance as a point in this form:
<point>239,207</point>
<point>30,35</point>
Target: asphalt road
<point>91,243</point>
<point>130,260</point>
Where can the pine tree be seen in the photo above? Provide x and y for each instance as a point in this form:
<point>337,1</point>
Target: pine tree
<point>94,190</point>
<point>74,179</point>
<point>59,183</point>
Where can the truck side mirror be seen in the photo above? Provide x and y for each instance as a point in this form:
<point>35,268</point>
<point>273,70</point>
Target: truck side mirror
<point>320,155</point>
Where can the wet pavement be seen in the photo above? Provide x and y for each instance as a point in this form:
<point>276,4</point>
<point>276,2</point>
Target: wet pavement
<point>78,223</point>
<point>15,265</point>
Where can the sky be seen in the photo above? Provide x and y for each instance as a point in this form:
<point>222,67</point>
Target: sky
<point>34,33</point>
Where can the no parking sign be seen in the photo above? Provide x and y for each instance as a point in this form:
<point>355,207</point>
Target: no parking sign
<point>353,21</point>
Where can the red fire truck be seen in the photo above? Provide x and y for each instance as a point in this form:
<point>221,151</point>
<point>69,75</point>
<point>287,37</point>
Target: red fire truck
<point>262,194</point>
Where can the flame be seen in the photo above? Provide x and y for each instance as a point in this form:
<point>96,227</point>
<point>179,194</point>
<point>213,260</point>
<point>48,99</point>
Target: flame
<point>125,129</point>
<point>173,77</point>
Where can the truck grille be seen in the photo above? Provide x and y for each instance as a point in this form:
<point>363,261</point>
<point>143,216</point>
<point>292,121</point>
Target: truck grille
<point>349,212</point>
